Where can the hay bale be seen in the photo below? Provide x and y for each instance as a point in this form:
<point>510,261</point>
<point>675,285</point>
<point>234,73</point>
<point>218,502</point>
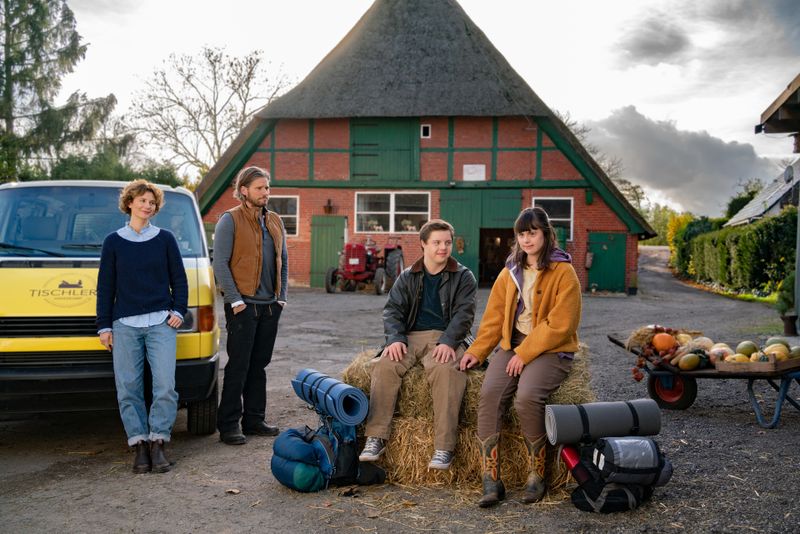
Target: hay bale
<point>411,445</point>
<point>414,399</point>
<point>410,448</point>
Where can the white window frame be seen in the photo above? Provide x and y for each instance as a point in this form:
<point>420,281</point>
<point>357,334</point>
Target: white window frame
<point>571,211</point>
<point>391,211</point>
<point>296,215</point>
<point>422,130</point>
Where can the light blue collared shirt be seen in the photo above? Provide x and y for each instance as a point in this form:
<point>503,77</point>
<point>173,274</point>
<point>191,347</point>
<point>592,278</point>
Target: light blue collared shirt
<point>146,319</point>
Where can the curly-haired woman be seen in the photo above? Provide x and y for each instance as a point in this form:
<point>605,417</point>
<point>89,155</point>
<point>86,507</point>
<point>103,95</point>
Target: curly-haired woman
<point>142,294</point>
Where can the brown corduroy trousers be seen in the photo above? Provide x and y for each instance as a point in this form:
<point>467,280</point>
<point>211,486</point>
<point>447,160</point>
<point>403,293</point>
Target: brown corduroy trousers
<point>537,381</point>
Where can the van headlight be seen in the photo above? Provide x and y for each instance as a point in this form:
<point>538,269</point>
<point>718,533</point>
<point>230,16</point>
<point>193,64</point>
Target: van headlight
<point>199,319</point>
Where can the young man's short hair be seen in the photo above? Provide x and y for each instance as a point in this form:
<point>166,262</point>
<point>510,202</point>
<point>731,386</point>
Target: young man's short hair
<point>435,225</point>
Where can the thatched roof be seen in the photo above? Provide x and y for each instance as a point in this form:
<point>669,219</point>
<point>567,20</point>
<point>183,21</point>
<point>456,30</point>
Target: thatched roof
<point>410,58</point>
<point>414,58</point>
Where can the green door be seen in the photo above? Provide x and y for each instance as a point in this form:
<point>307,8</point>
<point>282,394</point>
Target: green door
<point>462,209</point>
<point>470,210</point>
<point>607,271</point>
<point>384,149</point>
<point>327,240</point>
<point>499,208</point>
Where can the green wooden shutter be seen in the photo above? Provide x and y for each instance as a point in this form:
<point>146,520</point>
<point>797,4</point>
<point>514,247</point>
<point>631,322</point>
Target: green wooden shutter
<point>384,150</point>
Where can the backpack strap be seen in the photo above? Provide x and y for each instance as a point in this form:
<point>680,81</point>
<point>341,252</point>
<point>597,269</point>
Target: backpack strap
<point>585,436</point>
<point>634,413</point>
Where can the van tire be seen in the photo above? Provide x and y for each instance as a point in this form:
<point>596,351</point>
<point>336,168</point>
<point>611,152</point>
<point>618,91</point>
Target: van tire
<point>202,415</point>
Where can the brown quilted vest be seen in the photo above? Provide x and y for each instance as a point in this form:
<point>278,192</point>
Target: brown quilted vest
<point>246,256</point>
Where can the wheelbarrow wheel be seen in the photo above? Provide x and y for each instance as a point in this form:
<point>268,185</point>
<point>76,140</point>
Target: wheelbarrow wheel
<point>673,392</point>
<point>331,280</point>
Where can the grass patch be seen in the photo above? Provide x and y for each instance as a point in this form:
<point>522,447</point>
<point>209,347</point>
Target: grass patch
<point>763,328</point>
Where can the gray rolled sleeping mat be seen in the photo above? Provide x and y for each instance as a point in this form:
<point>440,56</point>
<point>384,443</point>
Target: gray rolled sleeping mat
<point>576,423</point>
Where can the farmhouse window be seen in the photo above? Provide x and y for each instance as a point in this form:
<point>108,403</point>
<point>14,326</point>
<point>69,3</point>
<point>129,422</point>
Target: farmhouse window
<point>287,207</point>
<point>559,209</point>
<point>392,212</point>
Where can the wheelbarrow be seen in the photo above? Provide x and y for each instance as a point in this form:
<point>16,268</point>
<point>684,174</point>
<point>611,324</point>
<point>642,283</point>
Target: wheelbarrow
<point>675,389</point>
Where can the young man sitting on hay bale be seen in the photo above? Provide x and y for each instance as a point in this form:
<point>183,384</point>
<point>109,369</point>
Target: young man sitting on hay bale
<point>427,317</point>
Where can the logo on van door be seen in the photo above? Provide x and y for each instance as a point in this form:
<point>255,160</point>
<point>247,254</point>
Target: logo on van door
<point>66,290</point>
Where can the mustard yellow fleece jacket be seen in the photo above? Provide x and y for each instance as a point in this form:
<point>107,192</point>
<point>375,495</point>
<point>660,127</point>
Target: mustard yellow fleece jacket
<point>556,314</point>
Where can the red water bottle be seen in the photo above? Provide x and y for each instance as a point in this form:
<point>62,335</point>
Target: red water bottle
<point>572,458</point>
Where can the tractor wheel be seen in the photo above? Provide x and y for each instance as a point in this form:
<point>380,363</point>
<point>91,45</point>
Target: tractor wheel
<point>331,280</point>
<point>674,392</point>
<point>394,264</point>
<point>379,281</point>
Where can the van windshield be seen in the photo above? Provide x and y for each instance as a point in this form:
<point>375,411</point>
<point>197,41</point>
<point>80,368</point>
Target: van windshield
<point>73,221</point>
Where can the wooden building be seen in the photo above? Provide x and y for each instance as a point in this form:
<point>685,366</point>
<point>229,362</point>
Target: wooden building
<point>415,115</point>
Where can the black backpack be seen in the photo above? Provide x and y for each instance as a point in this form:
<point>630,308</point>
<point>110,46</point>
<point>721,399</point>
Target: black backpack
<point>622,474</point>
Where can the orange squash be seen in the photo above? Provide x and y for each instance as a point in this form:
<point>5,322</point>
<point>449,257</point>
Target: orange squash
<point>663,341</point>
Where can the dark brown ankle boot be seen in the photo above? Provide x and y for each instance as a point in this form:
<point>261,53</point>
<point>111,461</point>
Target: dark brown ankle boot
<point>157,456</point>
<point>141,462</point>
<point>493,489</point>
<point>534,487</point>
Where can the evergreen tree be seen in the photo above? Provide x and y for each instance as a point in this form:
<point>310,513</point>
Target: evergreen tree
<point>39,45</point>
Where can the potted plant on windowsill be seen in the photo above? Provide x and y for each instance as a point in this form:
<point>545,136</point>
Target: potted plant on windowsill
<point>785,305</point>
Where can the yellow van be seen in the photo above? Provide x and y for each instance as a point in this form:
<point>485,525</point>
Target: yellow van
<point>51,358</point>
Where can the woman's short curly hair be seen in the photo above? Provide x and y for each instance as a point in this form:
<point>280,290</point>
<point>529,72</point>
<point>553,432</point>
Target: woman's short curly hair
<point>138,188</point>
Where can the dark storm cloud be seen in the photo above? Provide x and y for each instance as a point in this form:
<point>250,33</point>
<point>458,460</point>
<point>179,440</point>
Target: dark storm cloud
<point>697,170</point>
<point>655,41</point>
<point>746,32</point>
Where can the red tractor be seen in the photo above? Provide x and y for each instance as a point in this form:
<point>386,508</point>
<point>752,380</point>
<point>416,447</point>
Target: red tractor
<point>365,263</point>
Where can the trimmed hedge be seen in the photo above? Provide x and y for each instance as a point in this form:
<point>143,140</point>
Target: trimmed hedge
<point>743,258</point>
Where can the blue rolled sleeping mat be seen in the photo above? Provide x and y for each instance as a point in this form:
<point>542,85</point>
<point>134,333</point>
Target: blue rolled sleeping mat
<point>343,402</point>
<point>311,460</point>
<point>583,423</point>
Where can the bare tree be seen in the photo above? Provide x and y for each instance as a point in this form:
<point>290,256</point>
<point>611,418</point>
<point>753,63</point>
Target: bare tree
<point>194,106</point>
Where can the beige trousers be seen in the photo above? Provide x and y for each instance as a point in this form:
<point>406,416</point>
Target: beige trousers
<point>447,389</point>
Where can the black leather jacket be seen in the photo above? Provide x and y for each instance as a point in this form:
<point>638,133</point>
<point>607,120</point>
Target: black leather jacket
<point>457,295</point>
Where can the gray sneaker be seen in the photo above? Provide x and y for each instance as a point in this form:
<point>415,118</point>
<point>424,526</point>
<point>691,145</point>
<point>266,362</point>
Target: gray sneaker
<point>441,460</point>
<point>372,450</point>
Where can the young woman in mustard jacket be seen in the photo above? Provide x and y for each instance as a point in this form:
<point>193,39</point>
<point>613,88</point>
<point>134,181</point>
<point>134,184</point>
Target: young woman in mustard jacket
<point>533,313</point>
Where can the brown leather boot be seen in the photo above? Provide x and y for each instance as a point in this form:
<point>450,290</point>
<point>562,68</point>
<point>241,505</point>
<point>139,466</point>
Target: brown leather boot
<point>141,462</point>
<point>534,487</point>
<point>160,462</point>
<point>493,489</point>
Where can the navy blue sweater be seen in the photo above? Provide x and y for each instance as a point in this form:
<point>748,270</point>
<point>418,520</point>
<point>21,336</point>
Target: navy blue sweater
<point>138,278</point>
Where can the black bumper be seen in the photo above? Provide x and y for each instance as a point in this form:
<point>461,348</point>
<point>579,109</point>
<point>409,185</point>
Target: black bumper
<point>68,388</point>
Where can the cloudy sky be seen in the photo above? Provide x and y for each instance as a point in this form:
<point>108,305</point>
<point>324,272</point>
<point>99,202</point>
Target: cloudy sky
<point>672,87</point>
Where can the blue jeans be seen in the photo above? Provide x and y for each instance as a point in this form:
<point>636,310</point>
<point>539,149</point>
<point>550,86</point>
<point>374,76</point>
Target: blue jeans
<point>131,347</point>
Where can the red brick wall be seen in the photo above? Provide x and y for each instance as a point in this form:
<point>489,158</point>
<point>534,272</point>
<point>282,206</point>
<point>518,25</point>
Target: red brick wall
<point>594,217</point>
<point>556,166</point>
<point>513,132</point>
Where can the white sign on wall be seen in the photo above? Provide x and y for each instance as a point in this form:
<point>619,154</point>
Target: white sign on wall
<point>474,173</point>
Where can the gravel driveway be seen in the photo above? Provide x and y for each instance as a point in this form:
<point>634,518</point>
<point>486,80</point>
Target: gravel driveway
<point>70,473</point>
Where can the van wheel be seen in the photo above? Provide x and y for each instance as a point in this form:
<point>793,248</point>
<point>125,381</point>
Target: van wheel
<point>202,415</point>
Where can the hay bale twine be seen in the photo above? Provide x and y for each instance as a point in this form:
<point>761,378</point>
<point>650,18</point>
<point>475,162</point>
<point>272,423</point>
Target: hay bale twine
<point>410,447</point>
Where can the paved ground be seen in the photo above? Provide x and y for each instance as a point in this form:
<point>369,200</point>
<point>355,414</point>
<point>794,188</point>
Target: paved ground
<point>70,473</point>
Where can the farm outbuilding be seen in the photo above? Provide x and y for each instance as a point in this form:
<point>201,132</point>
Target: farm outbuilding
<point>416,115</point>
